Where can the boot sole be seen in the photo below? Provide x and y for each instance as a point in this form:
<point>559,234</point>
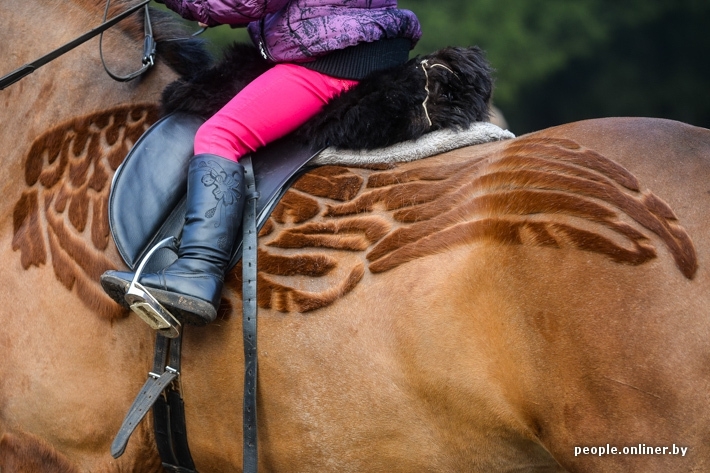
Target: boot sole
<point>189,310</point>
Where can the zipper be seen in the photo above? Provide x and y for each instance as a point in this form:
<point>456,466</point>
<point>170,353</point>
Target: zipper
<point>263,49</point>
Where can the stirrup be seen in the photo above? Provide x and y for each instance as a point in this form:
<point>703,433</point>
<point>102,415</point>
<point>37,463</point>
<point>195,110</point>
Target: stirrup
<point>147,307</point>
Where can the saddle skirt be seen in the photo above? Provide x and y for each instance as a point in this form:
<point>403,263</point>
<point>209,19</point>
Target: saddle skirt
<point>148,192</point>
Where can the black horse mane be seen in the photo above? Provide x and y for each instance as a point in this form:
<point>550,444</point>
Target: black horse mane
<point>182,53</point>
<point>175,47</point>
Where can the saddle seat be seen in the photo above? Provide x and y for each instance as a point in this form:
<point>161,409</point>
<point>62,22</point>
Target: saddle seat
<point>147,198</point>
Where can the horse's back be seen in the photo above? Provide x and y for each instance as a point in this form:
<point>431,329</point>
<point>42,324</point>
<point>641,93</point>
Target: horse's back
<point>670,158</point>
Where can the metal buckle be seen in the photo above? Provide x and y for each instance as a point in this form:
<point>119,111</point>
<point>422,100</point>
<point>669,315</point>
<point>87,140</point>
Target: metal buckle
<point>147,307</point>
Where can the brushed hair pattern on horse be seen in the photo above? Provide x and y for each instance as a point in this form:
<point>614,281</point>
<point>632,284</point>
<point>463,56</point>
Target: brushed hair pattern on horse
<point>537,192</point>
<point>532,180</point>
<point>63,212</point>
<point>337,223</point>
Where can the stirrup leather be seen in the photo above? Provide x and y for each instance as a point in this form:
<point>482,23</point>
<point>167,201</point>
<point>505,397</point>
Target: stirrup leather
<point>147,307</point>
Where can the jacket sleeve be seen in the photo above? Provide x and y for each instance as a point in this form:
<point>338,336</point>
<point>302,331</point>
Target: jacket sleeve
<point>225,12</point>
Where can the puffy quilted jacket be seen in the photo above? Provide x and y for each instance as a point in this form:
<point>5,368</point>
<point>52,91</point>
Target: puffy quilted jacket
<point>302,30</point>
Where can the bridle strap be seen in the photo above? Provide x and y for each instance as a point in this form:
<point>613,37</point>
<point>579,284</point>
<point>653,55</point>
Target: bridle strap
<point>29,68</point>
<point>148,49</point>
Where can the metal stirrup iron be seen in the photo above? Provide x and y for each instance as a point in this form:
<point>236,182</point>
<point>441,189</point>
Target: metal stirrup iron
<point>147,307</point>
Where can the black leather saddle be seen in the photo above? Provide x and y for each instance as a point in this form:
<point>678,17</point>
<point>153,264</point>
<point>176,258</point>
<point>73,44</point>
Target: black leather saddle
<point>148,192</point>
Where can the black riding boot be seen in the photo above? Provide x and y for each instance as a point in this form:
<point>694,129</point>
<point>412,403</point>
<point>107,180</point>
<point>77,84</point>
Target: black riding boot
<point>191,287</point>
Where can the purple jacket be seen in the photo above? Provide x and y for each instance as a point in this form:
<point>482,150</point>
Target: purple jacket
<point>302,30</point>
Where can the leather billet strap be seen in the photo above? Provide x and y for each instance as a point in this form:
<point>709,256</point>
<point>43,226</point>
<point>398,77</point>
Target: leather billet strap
<point>147,396</point>
<point>152,389</point>
<point>162,393</point>
<point>249,312</point>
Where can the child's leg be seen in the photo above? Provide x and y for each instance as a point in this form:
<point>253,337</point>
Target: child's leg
<point>270,107</point>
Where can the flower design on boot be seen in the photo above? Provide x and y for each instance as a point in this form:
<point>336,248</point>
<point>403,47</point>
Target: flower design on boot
<point>225,191</point>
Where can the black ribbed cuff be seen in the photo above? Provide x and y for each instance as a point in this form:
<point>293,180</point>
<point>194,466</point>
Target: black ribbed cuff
<point>356,62</point>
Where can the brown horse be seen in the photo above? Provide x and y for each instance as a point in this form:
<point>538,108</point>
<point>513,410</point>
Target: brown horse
<point>528,305</point>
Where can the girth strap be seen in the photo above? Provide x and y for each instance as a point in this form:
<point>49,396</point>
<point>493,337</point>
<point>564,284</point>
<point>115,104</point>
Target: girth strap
<point>171,433</point>
<point>249,312</point>
<point>148,395</point>
<point>169,420</point>
<point>162,392</point>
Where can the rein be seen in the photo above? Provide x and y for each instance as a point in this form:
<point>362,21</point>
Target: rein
<point>148,48</point>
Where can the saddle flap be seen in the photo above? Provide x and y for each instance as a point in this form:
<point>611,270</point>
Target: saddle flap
<point>147,199</point>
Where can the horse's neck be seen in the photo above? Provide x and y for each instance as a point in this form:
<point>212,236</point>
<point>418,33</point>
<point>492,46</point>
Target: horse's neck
<point>75,81</point>
<point>68,89</point>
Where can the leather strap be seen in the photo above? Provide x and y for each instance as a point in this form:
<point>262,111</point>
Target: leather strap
<point>29,68</point>
<point>168,409</point>
<point>152,389</point>
<point>249,312</point>
<point>178,434</point>
<point>149,46</point>
<point>169,421</point>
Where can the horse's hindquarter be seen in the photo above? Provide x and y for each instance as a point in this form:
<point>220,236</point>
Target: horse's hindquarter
<point>621,350</point>
<point>394,377</point>
<point>608,342</point>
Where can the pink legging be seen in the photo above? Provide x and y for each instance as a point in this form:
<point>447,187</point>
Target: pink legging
<point>270,107</point>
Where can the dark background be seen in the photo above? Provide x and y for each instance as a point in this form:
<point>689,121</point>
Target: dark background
<point>558,61</point>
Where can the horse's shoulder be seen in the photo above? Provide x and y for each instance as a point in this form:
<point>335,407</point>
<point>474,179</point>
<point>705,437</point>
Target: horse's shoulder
<point>61,214</point>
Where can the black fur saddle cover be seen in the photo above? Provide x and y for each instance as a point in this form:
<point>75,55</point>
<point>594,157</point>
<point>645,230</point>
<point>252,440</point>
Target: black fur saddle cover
<point>449,89</point>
